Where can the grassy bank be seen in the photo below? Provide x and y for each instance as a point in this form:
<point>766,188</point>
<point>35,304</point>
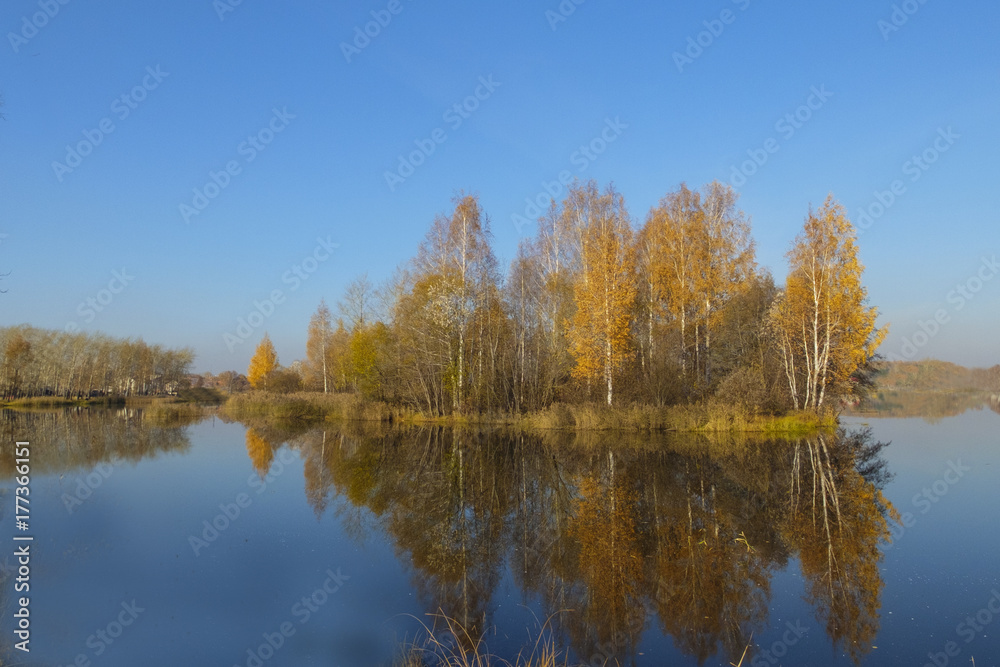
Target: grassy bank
<point>307,406</point>
<point>187,404</point>
<point>59,402</point>
<point>709,416</point>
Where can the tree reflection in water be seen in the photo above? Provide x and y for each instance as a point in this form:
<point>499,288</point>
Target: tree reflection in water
<point>81,438</point>
<point>681,532</point>
<point>837,520</point>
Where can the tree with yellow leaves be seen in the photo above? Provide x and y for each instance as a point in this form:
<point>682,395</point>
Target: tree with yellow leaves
<point>824,329</point>
<point>263,363</point>
<point>670,244</point>
<point>600,332</point>
<point>727,259</point>
<point>697,254</point>
<point>456,271</point>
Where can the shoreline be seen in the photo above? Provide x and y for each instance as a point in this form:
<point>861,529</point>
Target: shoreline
<point>703,417</point>
<point>185,397</point>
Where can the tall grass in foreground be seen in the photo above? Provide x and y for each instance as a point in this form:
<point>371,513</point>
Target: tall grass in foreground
<point>467,651</point>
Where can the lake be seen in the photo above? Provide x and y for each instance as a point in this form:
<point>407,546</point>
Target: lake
<point>216,543</point>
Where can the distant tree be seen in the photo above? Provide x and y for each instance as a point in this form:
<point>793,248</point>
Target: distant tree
<point>17,355</point>
<point>357,305</point>
<point>57,363</point>
<point>366,351</point>
<point>231,381</point>
<point>318,348</point>
<point>263,363</point>
<point>284,381</point>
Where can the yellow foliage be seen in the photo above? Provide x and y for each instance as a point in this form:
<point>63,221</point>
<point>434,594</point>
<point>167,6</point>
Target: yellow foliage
<point>264,361</point>
<point>825,330</point>
<point>260,451</point>
<point>698,253</point>
<point>600,334</point>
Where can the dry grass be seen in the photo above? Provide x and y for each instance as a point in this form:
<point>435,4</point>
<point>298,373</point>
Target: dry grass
<point>707,417</point>
<point>469,651</point>
<point>58,402</point>
<point>197,395</point>
<point>742,657</point>
<point>311,406</point>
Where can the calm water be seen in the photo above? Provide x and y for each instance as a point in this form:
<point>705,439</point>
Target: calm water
<point>215,544</point>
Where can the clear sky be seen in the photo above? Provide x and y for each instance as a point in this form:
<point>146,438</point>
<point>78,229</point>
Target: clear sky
<point>658,92</point>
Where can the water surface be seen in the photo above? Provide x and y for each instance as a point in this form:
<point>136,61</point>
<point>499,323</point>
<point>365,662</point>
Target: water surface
<point>215,543</point>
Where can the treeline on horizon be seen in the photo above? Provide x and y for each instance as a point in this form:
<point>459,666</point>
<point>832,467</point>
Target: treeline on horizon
<point>45,362</point>
<point>591,310</point>
<point>934,375</point>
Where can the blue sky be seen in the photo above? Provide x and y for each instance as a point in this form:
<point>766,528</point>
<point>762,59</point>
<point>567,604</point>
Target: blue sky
<point>208,89</point>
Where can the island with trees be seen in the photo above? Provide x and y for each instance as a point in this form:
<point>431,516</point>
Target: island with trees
<point>594,324</point>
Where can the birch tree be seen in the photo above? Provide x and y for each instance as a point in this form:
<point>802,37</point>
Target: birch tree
<point>726,258</point>
<point>605,290</point>
<point>458,255</point>
<point>824,328</point>
<point>671,242</point>
<point>318,348</point>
